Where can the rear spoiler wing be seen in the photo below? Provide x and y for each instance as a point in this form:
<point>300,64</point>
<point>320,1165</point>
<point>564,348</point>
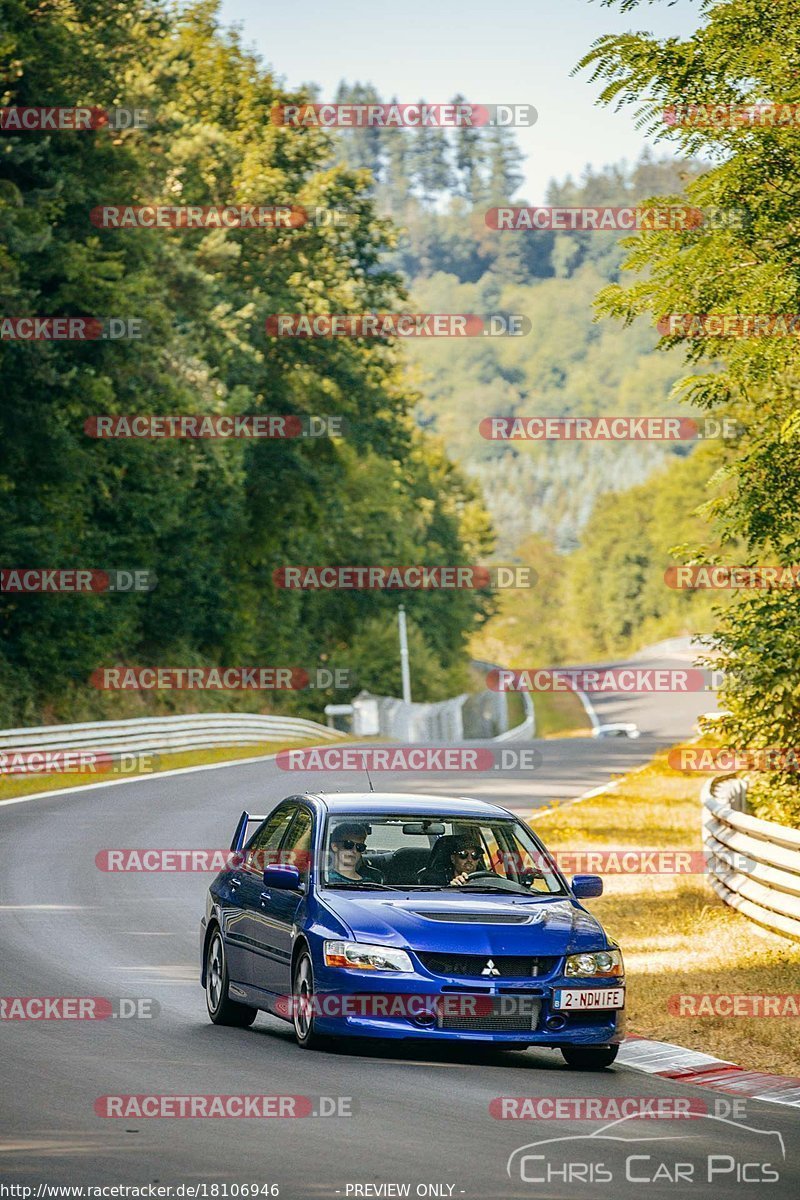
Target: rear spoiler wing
<point>240,835</point>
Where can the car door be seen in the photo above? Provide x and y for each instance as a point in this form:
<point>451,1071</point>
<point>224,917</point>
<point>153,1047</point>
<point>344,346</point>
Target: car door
<point>272,924</point>
<point>247,885</point>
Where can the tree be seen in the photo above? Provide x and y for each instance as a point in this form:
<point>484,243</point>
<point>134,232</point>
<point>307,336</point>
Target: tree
<point>741,260</point>
<point>212,520</point>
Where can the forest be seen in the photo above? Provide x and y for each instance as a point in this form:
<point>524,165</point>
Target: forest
<point>400,225</point>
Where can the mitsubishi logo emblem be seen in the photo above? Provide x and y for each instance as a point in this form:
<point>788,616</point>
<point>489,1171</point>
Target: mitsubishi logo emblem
<point>490,968</point>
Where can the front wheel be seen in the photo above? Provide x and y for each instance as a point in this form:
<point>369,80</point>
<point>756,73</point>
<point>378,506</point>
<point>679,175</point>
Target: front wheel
<point>221,1009</point>
<point>303,1004</point>
<point>589,1058</point>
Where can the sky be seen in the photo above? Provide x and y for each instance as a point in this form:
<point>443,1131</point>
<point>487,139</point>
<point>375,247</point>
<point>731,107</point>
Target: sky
<point>509,51</point>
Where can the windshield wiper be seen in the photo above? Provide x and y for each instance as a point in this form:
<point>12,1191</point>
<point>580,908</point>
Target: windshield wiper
<point>426,887</point>
<point>365,885</point>
<point>487,887</point>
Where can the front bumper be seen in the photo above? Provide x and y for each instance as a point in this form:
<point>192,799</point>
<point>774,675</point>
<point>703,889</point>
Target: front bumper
<point>349,1004</point>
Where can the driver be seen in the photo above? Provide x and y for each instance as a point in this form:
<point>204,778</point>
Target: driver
<point>465,858</point>
<point>348,843</point>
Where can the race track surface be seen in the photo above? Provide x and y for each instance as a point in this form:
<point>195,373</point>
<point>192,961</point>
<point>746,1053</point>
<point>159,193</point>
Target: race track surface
<point>420,1116</point>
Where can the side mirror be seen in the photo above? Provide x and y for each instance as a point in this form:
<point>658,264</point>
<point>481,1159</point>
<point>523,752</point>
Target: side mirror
<point>285,878</point>
<point>584,887</point>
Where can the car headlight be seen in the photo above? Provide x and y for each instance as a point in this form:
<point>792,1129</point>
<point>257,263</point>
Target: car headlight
<point>599,964</point>
<point>362,956</point>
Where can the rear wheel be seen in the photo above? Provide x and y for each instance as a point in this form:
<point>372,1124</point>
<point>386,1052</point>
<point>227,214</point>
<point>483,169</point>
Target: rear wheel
<point>303,1004</point>
<point>221,1009</point>
<point>589,1058</point>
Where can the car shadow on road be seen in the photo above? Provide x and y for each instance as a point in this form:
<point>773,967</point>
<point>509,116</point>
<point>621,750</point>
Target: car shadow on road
<point>421,1051</point>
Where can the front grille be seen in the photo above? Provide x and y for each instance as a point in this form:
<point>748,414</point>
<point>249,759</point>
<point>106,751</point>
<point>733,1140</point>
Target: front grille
<point>506,1016</point>
<point>478,918</point>
<point>473,966</point>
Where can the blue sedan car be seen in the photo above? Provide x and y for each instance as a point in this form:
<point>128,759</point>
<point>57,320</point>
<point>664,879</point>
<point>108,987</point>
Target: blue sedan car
<point>409,916</point>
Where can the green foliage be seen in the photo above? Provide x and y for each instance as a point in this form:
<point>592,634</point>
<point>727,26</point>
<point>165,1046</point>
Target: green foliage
<point>744,53</point>
<point>609,596</point>
<point>427,164</point>
<point>529,627</point>
<point>211,519</point>
<point>566,366</point>
<point>373,657</point>
<point>616,588</point>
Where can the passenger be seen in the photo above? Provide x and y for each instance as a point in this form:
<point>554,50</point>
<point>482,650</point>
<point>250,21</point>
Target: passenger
<point>348,843</point>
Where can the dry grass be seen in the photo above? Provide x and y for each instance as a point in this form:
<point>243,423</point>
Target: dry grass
<point>677,936</point>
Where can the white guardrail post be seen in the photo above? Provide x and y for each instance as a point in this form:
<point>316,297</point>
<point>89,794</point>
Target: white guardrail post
<point>163,735</point>
<point>753,865</point>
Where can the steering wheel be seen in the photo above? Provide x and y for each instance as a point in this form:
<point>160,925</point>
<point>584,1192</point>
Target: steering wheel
<point>503,884</point>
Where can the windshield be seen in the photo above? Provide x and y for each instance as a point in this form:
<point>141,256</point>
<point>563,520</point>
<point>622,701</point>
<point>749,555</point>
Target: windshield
<point>375,851</point>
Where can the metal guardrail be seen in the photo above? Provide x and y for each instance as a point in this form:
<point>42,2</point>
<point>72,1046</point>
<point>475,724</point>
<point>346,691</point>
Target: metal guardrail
<point>165,735</point>
<point>753,865</point>
<point>526,728</point>
<point>388,716</point>
<point>470,716</point>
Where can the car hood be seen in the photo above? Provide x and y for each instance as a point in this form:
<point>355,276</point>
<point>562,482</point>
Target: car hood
<point>471,925</point>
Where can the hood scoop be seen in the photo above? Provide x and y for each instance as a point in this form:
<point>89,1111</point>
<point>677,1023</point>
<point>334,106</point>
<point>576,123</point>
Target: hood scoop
<point>477,918</point>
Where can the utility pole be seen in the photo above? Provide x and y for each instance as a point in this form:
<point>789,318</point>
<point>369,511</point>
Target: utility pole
<point>404,669</point>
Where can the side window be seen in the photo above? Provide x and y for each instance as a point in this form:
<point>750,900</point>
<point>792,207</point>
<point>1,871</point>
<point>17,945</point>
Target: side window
<point>263,846</point>
<point>296,849</point>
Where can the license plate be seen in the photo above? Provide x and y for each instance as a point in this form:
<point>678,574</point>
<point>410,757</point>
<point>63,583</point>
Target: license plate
<point>583,998</point>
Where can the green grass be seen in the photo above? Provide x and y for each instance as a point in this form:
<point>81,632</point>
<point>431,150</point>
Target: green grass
<point>560,714</point>
<point>516,709</point>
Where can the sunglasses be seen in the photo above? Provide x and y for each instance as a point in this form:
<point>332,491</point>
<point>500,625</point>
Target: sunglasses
<point>347,844</point>
<point>473,854</point>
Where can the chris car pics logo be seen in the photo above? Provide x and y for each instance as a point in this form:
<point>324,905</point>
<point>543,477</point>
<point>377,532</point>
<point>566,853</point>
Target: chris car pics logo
<point>618,1153</point>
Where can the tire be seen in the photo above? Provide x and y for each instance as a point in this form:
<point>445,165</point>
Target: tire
<point>302,1005</point>
<point>589,1058</point>
<point>221,1009</point>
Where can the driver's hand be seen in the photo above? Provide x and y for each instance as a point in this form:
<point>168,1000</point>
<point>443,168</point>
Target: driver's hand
<point>457,880</point>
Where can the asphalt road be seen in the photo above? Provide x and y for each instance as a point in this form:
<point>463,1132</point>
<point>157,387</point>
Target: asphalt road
<point>419,1117</point>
